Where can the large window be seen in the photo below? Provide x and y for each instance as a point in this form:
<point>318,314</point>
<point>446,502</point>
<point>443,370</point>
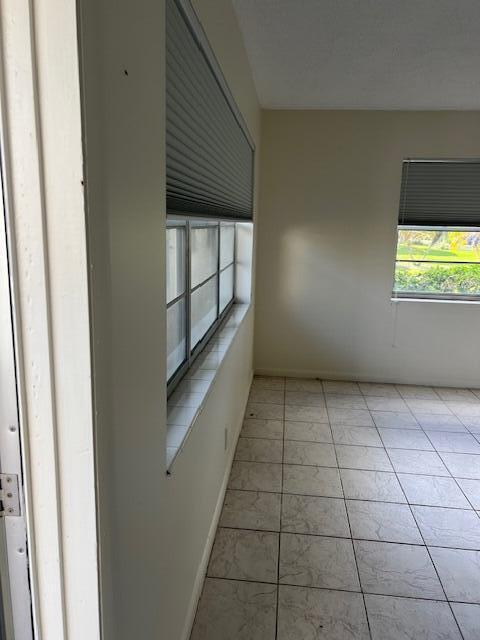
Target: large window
<point>437,262</point>
<point>200,288</point>
<point>438,246</point>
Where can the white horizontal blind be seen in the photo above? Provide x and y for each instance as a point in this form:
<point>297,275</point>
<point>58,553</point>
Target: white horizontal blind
<point>209,159</point>
<point>440,193</point>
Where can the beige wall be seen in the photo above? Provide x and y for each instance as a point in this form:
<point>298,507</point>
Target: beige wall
<point>326,236</point>
<point>154,529</point>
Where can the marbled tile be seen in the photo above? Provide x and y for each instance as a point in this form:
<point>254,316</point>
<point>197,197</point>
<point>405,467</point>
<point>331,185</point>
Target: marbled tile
<point>367,436</point>
<point>443,527</point>
<point>405,439</point>
<point>387,404</point>
<point>472,423</point>
<point>395,420</point>
<point>244,555</point>
<point>314,453</point>
<point>185,398</point>
<point>256,476</point>
<point>454,442</point>
<point>462,465</point>
<point>200,374</point>
<point>269,396</point>
<point>308,431</point>
<point>356,457</point>
<point>176,435</point>
<point>471,488</point>
<point>397,570</point>
<point>305,413</point>
<point>371,485</point>
<point>412,391</point>
<point>378,389</point>
<point>432,491</point>
<point>316,614</point>
<point>351,417</point>
<point>315,561</point>
<point>268,382</point>
<point>259,450</point>
<point>459,571</point>
<point>313,481</point>
<point>421,462</point>
<point>432,407</point>
<point>432,422</point>
<point>383,521</point>
<point>235,610</point>
<point>461,409</point>
<point>181,416</point>
<point>304,399</point>
<point>448,394</point>
<point>271,429</point>
<point>340,386</point>
<point>251,510</point>
<point>195,386</point>
<point>315,516</point>
<point>302,384</point>
<point>393,618</point>
<point>468,618</point>
<point>264,411</point>
<point>345,401</point>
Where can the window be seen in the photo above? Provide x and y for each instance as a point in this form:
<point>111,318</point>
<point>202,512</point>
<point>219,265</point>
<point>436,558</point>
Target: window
<point>200,288</point>
<point>437,262</point>
<point>438,244</point>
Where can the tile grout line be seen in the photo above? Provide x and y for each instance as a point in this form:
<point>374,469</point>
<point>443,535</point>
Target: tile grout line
<point>281,511</point>
<point>313,495</point>
<point>425,545</point>
<point>453,477</point>
<point>351,535</point>
<point>368,593</point>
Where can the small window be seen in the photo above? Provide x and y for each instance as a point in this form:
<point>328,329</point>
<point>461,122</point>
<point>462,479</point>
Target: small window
<point>200,288</point>
<point>438,243</point>
<point>437,262</point>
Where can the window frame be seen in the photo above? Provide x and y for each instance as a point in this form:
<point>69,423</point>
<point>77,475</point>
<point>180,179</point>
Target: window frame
<point>419,295</point>
<point>192,354</point>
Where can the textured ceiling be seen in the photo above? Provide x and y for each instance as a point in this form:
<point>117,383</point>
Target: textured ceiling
<point>363,54</point>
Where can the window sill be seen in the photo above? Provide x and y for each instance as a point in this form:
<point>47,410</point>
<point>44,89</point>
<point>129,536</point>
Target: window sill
<point>188,399</point>
<point>436,300</point>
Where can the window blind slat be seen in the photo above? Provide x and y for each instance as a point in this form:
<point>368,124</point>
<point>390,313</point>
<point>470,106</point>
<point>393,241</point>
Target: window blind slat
<point>208,156</point>
<point>440,193</point>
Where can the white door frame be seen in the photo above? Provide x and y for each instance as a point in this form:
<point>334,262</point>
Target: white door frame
<point>43,170</point>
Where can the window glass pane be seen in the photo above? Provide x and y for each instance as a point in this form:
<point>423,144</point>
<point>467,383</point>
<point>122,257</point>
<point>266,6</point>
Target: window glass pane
<point>175,262</point>
<point>227,240</point>
<point>203,248</point>
<point>437,277</point>
<point>203,310</point>
<point>226,287</point>
<point>438,261</point>
<point>438,245</point>
<point>176,340</point>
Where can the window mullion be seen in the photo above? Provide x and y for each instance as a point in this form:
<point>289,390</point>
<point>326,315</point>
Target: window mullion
<point>218,270</point>
<point>234,261</point>
<point>188,286</point>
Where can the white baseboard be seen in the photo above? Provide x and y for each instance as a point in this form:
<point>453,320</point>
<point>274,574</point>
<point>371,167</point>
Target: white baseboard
<point>202,569</point>
<point>435,380</point>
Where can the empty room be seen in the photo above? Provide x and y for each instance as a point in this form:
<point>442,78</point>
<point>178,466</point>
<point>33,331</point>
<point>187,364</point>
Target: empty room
<point>240,320</point>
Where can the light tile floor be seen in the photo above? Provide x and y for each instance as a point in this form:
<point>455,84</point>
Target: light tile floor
<point>351,513</point>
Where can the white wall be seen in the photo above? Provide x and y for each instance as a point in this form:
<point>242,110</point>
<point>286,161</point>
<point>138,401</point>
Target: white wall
<point>154,530</point>
<point>326,237</point>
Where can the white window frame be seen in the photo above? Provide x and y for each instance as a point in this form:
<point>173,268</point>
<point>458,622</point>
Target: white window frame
<point>192,354</point>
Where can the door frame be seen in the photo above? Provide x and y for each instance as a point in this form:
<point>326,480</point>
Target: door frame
<point>42,157</point>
